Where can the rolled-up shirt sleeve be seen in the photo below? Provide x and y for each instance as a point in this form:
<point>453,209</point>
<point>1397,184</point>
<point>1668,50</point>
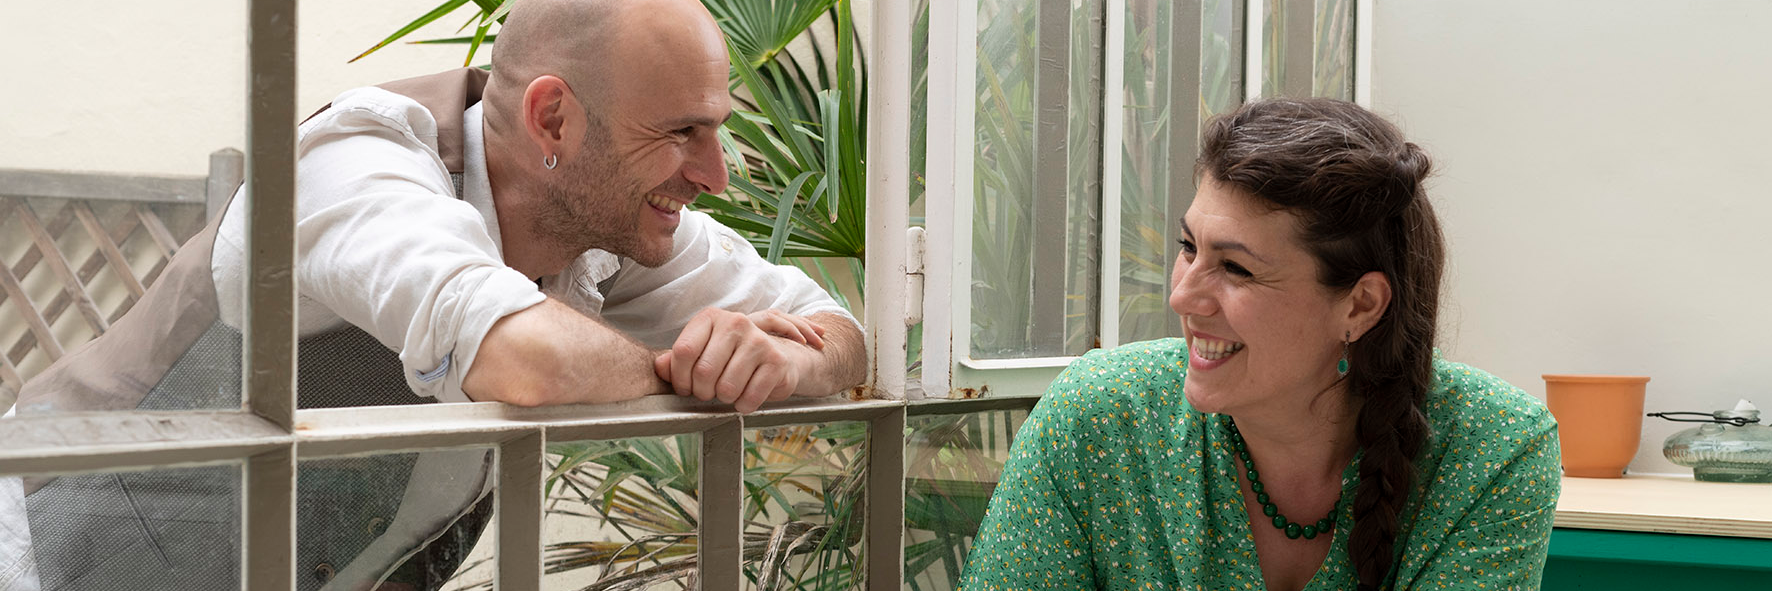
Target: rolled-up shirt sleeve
<point>711,266</point>
<point>384,244</point>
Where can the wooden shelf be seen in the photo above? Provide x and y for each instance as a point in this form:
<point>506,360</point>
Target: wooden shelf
<point>1666,504</point>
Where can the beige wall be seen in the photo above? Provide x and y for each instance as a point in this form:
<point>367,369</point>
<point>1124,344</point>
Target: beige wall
<point>155,87</point>
<point>1602,180</point>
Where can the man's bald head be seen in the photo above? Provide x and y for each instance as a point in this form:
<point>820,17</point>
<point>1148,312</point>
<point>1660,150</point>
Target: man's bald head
<point>601,122</point>
<point>591,44</point>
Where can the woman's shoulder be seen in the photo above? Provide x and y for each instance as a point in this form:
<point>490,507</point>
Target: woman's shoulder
<point>1473,403</point>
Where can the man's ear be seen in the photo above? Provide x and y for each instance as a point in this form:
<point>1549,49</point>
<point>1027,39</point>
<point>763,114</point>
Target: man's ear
<point>1366,303</point>
<point>548,108</point>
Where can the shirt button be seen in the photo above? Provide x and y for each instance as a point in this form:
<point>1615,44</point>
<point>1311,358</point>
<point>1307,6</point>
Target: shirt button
<point>324,572</point>
<point>726,243</point>
<point>377,526</point>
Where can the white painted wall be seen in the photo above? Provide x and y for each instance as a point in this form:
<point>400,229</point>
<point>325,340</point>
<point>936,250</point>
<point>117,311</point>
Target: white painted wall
<point>1602,182</point>
<point>154,87</point>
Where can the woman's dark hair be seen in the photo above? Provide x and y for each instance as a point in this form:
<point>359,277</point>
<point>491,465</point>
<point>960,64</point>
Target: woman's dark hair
<point>1356,187</point>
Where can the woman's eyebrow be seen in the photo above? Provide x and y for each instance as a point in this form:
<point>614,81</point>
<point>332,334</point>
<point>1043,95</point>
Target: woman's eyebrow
<point>1224,244</point>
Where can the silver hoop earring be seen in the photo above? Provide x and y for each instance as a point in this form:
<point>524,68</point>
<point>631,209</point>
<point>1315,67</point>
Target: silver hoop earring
<point>551,161</point>
<point>1341,367</point>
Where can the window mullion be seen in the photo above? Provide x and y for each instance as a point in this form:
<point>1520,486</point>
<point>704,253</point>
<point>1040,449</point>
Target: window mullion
<point>885,501</point>
<point>953,57</point>
<point>720,531</point>
<point>1363,53</point>
<point>889,165</point>
<point>268,363</point>
<point>1113,126</point>
<point>1254,48</point>
<point>268,548</point>
<point>1052,110</point>
<point>520,511</point>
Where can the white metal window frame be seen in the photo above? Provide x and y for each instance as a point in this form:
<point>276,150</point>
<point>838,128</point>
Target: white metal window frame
<point>269,436</point>
<point>949,369</point>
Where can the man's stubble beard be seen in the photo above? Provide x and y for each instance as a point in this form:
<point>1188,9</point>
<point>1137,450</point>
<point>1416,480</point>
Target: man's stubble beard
<point>595,206</point>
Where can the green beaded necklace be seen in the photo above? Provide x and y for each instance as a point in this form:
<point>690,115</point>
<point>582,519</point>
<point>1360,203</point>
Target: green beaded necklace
<point>1293,530</point>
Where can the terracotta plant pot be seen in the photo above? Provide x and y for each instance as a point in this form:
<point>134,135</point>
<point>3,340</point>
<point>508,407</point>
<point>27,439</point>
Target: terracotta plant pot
<point>1599,421</point>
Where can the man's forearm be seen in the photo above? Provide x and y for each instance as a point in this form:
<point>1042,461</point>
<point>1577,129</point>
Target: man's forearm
<point>842,363</point>
<point>551,354</point>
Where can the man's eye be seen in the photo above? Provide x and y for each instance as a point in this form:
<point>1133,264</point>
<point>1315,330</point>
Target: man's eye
<point>684,132</point>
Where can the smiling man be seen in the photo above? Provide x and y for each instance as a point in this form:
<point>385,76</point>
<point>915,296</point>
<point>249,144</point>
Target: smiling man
<point>519,237</point>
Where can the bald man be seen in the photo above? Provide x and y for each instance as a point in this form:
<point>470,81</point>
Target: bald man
<point>633,141</point>
<point>519,238</point>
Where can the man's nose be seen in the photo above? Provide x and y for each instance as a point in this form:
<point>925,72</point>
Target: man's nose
<point>706,164</point>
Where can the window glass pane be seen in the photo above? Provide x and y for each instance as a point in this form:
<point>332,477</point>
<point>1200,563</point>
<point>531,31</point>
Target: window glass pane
<point>1274,45</point>
<point>1221,57</point>
<point>1147,222</point>
<point>625,511</point>
<point>1333,70</point>
<point>1037,177</point>
<point>177,527</point>
<point>621,510</point>
<point>952,463</point>
<point>113,148</point>
<point>803,506</point>
<point>1157,181</point>
<point>359,519</point>
<point>1308,48</point>
<point>1082,230</point>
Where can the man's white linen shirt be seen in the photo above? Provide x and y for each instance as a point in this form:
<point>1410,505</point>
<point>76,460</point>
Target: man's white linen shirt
<point>385,245</point>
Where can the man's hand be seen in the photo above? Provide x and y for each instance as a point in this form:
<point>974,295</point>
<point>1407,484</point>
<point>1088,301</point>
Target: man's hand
<point>744,359</point>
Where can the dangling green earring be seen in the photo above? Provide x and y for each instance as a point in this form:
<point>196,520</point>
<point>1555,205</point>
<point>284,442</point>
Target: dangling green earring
<point>1341,366</point>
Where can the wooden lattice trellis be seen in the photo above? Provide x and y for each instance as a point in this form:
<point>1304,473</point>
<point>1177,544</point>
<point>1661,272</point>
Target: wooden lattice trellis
<point>121,229</point>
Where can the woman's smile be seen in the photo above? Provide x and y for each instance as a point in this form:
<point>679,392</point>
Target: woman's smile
<point>1209,352</point>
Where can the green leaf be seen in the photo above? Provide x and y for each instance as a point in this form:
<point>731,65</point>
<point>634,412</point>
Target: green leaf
<point>490,37</point>
<point>783,217</point>
<point>830,285</point>
<point>446,7</point>
<point>831,105</point>
<point>733,155</point>
<point>479,37</point>
<point>504,8</point>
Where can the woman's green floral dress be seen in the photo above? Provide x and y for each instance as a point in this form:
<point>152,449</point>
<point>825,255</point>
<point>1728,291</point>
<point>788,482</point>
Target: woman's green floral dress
<point>1116,482</point>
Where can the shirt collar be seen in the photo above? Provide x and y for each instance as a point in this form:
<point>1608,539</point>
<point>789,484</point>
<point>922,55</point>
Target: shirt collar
<point>476,186</point>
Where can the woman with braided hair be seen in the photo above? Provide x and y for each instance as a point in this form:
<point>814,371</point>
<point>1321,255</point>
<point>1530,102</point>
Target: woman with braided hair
<point>1304,434</point>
